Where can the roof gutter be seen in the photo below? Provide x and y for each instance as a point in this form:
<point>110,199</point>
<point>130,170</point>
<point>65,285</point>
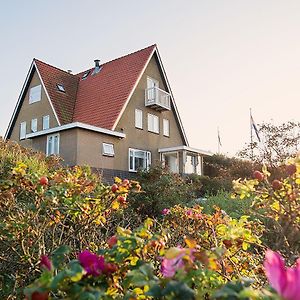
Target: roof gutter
<point>187,148</point>
<point>76,125</point>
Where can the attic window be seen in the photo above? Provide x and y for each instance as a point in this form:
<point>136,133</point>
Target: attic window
<point>61,88</point>
<point>86,74</point>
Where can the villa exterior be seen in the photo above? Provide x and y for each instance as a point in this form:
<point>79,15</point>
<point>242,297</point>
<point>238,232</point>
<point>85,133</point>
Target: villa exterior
<point>116,117</point>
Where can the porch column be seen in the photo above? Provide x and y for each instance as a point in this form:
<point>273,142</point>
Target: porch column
<point>182,161</point>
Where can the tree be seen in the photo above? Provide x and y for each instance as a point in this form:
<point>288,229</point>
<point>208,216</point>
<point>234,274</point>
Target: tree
<point>278,142</point>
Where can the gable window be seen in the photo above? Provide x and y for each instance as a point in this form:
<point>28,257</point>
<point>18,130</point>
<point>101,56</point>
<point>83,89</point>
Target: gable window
<point>52,144</point>
<point>46,121</point>
<point>34,125</point>
<point>61,88</point>
<point>139,159</point>
<point>153,123</point>
<point>108,149</point>
<point>166,127</point>
<point>35,94</point>
<point>22,130</point>
<point>139,118</point>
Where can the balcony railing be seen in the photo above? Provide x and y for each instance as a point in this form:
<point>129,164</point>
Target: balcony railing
<point>157,99</point>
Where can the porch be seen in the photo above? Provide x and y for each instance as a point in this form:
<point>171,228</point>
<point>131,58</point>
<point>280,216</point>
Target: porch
<point>183,159</point>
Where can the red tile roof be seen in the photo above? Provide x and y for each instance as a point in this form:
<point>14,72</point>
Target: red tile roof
<point>97,100</point>
<point>63,103</point>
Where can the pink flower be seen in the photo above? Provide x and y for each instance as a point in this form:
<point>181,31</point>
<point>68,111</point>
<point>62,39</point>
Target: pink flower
<point>92,263</point>
<point>169,266</point>
<point>45,262</point>
<point>165,211</point>
<point>189,212</point>
<point>285,281</point>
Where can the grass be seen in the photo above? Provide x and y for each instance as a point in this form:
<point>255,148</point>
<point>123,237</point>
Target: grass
<point>235,208</point>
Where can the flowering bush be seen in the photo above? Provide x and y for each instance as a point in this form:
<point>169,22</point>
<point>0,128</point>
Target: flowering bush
<point>232,245</point>
<point>139,266</point>
<point>277,203</point>
<point>44,205</point>
<point>157,261</point>
<point>65,232</point>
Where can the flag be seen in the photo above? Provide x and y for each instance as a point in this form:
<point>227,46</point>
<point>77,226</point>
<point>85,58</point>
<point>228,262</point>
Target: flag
<point>254,127</point>
<point>219,138</point>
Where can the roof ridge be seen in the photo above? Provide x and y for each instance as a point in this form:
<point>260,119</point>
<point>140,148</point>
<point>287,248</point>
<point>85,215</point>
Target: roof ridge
<point>35,59</point>
<point>120,57</point>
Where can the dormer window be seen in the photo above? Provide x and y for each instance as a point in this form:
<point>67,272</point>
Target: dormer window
<point>86,74</point>
<point>60,87</point>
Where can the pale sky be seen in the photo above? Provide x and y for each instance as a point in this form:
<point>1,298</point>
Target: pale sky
<point>221,57</point>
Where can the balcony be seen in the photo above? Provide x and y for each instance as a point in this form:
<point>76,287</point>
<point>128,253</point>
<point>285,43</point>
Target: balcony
<point>157,99</point>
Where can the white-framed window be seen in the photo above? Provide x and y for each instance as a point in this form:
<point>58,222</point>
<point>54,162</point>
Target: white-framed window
<point>22,130</point>
<point>46,122</point>
<point>34,125</point>
<point>108,149</point>
<point>35,94</point>
<point>166,127</point>
<point>153,123</point>
<point>52,144</point>
<point>138,118</point>
<point>139,159</point>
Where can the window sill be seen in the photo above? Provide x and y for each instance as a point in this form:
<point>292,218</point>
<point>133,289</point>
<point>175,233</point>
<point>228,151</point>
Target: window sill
<point>153,132</point>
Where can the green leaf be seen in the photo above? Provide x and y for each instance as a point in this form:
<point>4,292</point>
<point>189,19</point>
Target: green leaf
<point>57,280</point>
<point>58,255</point>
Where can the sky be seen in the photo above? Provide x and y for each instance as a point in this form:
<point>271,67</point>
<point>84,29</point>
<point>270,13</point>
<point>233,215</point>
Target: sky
<point>222,57</point>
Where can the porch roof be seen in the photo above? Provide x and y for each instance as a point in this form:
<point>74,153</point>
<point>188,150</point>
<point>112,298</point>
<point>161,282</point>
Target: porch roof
<point>186,148</point>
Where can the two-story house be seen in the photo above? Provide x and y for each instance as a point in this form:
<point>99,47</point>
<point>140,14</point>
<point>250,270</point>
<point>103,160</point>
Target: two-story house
<point>117,117</point>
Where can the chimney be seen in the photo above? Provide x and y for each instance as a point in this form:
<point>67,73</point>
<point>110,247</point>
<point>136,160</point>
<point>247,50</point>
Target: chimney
<point>97,66</point>
<point>97,61</point>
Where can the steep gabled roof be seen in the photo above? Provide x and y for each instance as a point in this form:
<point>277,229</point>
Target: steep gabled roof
<point>98,100</point>
<point>63,103</point>
<point>101,97</point>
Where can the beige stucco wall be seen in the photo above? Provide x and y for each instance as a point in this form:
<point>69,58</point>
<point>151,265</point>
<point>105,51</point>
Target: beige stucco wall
<point>89,150</point>
<point>31,111</point>
<point>142,138</point>
<point>67,145</point>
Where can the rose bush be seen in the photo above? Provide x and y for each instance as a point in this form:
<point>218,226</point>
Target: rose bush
<point>73,237</point>
<point>277,203</point>
<point>44,205</point>
<point>140,266</point>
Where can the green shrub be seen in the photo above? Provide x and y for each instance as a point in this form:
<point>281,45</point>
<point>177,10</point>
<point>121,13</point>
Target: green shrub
<point>205,186</point>
<point>220,165</point>
<point>160,189</point>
